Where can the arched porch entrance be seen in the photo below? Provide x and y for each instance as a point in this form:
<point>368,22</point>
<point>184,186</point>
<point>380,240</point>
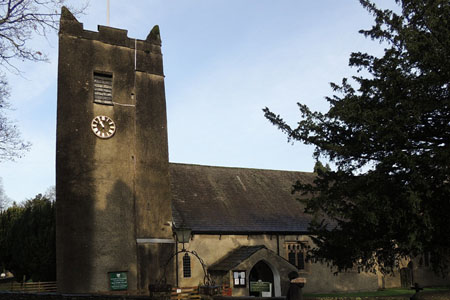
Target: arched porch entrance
<point>263,272</point>
<point>257,263</point>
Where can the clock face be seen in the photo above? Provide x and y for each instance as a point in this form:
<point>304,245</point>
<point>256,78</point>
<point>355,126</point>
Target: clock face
<point>103,127</point>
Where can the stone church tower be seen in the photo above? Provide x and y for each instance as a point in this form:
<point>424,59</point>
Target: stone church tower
<point>112,177</point>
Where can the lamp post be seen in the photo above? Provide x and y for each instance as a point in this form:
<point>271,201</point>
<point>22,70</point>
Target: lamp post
<point>183,235</point>
<point>161,290</point>
<point>208,288</point>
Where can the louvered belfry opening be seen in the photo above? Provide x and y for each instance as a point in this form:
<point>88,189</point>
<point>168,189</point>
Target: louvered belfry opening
<point>103,88</point>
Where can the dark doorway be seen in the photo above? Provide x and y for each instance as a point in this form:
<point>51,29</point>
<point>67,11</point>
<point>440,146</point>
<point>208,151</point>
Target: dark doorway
<point>261,271</point>
<point>406,276</point>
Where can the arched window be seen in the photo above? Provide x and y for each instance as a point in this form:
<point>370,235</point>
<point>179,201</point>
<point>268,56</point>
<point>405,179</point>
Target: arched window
<point>291,257</point>
<point>186,266</point>
<point>300,260</point>
<point>296,254</point>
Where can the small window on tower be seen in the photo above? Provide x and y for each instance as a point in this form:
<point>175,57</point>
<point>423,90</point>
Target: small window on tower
<point>103,88</point>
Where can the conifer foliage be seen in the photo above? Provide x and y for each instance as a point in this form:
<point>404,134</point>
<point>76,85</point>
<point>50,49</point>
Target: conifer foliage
<point>27,240</point>
<point>388,134</point>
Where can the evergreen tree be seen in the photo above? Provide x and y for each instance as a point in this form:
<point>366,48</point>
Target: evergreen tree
<point>320,168</point>
<point>7,220</point>
<point>388,135</point>
<point>27,240</point>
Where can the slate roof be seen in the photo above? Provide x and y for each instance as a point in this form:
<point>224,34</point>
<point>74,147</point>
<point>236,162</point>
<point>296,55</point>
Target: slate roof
<point>235,257</point>
<point>219,200</point>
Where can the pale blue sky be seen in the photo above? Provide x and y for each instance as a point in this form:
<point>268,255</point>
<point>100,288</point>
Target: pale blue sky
<point>224,61</point>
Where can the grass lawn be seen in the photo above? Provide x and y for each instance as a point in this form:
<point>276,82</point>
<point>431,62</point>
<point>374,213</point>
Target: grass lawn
<point>383,293</point>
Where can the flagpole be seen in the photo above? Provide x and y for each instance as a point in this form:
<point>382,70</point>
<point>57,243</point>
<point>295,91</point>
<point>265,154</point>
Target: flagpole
<point>107,13</point>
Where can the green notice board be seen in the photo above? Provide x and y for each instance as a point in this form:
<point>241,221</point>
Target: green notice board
<point>118,281</point>
<point>259,286</point>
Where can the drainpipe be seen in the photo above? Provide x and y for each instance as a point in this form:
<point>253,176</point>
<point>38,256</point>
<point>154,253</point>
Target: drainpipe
<point>278,245</point>
<point>176,261</point>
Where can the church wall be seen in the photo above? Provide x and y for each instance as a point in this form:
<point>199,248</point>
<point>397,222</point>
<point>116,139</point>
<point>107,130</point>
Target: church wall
<point>427,278</point>
<point>414,271</point>
<point>212,248</point>
<point>320,278</point>
<point>389,281</point>
<point>423,274</point>
<point>152,187</point>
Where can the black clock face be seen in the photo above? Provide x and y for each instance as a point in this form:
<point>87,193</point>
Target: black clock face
<point>103,127</point>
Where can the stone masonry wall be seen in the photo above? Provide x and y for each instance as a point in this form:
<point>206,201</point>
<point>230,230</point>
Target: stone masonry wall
<point>58,296</point>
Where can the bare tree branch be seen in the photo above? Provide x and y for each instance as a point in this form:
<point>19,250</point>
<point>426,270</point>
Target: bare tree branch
<point>20,20</point>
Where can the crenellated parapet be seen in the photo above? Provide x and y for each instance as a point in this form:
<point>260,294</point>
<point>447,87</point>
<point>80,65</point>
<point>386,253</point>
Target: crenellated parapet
<point>70,26</point>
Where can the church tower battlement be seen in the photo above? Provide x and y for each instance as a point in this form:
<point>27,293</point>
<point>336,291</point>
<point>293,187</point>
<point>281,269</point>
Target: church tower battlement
<point>112,170</point>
